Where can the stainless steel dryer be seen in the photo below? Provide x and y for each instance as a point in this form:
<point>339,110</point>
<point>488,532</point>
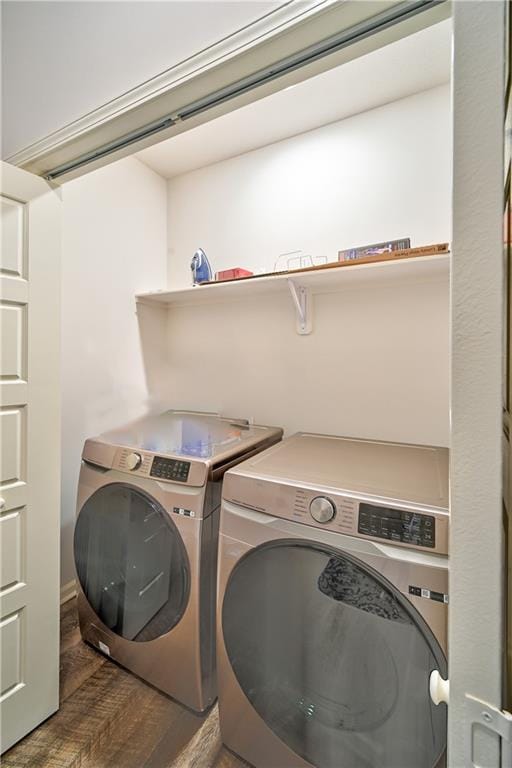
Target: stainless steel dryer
<point>146,544</point>
<point>332,605</point>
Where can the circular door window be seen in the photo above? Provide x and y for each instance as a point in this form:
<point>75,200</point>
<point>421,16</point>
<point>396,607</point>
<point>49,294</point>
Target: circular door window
<point>333,658</point>
<point>131,562</point>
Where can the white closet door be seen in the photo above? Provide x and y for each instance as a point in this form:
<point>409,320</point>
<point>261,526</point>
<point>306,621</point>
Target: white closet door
<point>29,452</point>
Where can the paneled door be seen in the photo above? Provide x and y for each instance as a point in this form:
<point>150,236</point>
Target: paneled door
<point>29,451</point>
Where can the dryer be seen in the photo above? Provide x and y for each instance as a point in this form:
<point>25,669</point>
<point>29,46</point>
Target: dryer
<point>332,604</point>
<point>145,544</point>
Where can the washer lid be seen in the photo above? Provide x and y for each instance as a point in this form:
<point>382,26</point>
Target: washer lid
<point>394,471</point>
<point>187,433</point>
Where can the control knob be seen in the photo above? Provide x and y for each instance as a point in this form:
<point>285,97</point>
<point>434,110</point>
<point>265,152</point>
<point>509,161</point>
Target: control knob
<point>322,509</point>
<point>133,461</point>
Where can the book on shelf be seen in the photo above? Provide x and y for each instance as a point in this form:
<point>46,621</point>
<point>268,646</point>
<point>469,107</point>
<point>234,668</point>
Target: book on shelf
<point>396,253</point>
<point>374,249</point>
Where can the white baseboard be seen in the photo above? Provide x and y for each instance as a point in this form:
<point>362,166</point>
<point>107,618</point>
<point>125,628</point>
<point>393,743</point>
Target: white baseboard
<point>67,591</point>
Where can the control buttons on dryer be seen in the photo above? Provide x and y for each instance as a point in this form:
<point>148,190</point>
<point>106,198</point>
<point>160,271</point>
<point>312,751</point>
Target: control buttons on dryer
<point>322,509</point>
<point>170,469</point>
<point>133,461</point>
<point>400,525</point>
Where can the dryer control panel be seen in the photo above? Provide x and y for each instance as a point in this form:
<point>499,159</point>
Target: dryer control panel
<point>397,525</point>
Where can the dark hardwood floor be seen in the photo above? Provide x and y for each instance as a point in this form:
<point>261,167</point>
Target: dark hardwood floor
<point>109,718</point>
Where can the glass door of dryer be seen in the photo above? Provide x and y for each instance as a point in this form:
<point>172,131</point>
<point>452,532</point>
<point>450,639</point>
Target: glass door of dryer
<point>333,658</point>
<point>131,562</point>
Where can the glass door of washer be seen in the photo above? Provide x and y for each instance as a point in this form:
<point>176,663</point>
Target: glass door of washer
<point>131,562</point>
<point>333,658</point>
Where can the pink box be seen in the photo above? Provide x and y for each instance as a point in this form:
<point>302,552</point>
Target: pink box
<point>232,274</point>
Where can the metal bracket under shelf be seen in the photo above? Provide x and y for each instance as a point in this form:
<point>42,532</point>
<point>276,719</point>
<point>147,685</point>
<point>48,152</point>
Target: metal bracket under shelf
<point>303,304</point>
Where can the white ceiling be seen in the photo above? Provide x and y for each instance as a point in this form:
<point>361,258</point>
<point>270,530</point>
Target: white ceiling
<point>61,60</point>
<point>413,64</point>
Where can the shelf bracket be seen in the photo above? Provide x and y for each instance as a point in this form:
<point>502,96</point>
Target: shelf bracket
<point>302,300</point>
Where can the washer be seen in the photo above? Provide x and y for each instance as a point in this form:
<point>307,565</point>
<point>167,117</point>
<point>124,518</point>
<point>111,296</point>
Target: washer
<point>332,605</point>
<point>146,540</point>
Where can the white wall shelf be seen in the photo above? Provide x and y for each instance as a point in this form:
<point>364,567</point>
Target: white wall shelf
<point>302,285</point>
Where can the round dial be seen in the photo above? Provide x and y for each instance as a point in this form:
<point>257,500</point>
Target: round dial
<point>133,461</point>
<point>322,509</point>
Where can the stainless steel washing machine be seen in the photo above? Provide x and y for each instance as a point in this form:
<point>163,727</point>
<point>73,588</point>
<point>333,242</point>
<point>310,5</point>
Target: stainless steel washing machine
<point>146,540</point>
<point>332,604</point>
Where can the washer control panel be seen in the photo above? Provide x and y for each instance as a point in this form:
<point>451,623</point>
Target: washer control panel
<point>146,464</point>
<point>397,525</point>
<point>170,469</point>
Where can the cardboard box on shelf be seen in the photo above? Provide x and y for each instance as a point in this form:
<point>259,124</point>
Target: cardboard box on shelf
<point>232,274</point>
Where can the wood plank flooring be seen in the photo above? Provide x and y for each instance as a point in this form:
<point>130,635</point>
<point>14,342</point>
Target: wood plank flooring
<point>109,718</point>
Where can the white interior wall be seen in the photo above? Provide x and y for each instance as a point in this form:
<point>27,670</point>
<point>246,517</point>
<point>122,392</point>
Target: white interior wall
<point>114,245</point>
<point>359,85</point>
<point>375,366</point>
<point>377,362</point>
<point>381,174</point>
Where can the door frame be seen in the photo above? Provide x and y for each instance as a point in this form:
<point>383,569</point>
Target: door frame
<point>477,294</point>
